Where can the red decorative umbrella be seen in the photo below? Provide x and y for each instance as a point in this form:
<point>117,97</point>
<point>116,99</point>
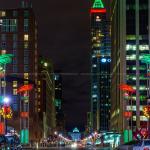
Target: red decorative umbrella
<point>24,88</point>
<point>126,88</point>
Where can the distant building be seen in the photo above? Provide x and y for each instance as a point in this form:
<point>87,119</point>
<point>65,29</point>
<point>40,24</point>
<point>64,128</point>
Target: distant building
<point>60,118</point>
<point>46,98</point>
<point>100,67</point>
<point>18,36</point>
<point>75,134</point>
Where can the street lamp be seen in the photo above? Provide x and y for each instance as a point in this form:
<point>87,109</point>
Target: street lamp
<point>6,100</point>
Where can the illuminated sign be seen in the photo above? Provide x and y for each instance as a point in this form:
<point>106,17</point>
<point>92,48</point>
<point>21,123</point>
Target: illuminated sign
<point>98,10</point>
<point>104,60</point>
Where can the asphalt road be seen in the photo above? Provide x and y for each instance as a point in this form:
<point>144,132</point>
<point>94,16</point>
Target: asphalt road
<point>64,148</point>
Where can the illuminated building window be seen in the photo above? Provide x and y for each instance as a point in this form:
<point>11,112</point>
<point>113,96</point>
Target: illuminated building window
<point>14,83</point>
<point>3,83</point>
<point>26,45</point>
<point>26,60</point>
<point>94,65</point>
<point>14,91</point>
<point>3,52</point>
<point>142,118</point>
<point>98,19</point>
<point>2,13</point>
<point>39,90</point>
<point>26,37</point>
<point>143,47</point>
<point>26,75</point>
<point>130,47</point>
<point>131,57</point>
<point>94,96</point>
<point>39,109</point>
<point>26,68</point>
<point>39,82</point>
<point>26,82</point>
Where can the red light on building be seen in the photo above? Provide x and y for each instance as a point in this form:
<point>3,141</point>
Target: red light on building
<point>24,88</point>
<point>127,114</point>
<point>24,114</point>
<point>2,128</point>
<point>98,10</point>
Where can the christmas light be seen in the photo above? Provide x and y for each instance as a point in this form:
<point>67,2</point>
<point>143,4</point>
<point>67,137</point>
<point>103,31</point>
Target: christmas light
<point>126,88</point>
<point>146,111</point>
<point>24,88</point>
<point>5,59</point>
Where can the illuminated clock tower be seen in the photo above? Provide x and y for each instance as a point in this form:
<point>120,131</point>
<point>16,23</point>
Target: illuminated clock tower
<point>100,67</point>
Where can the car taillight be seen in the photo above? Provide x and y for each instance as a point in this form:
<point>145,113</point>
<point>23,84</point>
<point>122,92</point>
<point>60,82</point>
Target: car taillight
<point>146,148</point>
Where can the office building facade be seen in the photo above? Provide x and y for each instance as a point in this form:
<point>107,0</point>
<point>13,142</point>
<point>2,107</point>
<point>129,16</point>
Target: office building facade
<point>18,36</point>
<point>130,41</point>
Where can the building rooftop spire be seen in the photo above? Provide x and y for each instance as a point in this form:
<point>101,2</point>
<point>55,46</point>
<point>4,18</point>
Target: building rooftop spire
<point>98,4</point>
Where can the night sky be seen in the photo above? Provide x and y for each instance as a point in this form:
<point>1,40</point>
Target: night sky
<point>64,37</point>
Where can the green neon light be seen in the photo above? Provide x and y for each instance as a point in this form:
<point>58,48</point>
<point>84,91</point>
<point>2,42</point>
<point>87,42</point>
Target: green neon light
<point>24,136</point>
<point>98,4</point>
<point>145,58</point>
<point>5,59</point>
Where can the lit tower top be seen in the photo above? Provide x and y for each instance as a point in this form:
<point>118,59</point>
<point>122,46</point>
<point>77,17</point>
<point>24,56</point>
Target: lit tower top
<point>98,7</point>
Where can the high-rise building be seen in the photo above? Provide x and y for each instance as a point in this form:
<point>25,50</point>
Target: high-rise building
<point>100,67</point>
<point>46,98</point>
<point>60,118</point>
<point>18,36</point>
<point>130,40</point>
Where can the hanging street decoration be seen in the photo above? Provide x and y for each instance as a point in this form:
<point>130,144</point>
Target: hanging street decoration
<point>146,111</point>
<point>24,114</point>
<point>145,58</point>
<point>126,88</point>
<point>128,114</point>
<point>6,112</point>
<point>25,88</point>
<point>5,59</point>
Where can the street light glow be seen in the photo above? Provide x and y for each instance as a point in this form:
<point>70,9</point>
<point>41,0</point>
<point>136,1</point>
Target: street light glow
<point>6,100</point>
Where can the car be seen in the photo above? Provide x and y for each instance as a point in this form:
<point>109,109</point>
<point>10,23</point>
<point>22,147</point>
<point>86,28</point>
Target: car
<point>4,143</point>
<point>13,142</point>
<point>142,145</point>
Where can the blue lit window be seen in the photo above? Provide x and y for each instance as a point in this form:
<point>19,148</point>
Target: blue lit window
<point>26,60</point>
<point>26,68</point>
<point>14,45</point>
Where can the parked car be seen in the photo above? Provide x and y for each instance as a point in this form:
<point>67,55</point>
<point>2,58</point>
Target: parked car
<point>142,145</point>
<point>13,142</point>
<point>4,143</point>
